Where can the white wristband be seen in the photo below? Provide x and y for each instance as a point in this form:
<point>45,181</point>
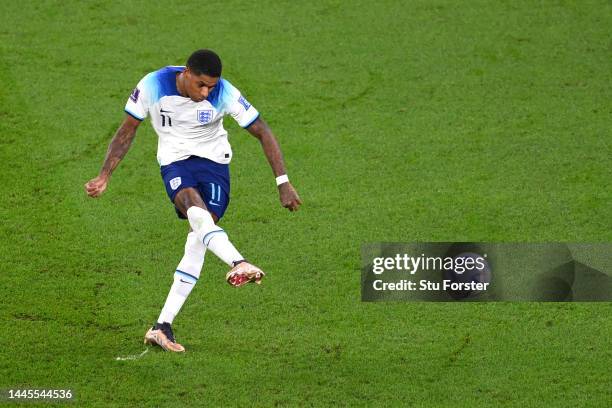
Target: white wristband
<point>282,179</point>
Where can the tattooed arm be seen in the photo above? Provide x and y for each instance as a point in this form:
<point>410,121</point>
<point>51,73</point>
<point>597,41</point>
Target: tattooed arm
<point>117,149</point>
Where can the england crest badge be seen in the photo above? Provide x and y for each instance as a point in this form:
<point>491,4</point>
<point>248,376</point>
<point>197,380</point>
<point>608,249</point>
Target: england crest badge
<point>175,183</point>
<point>205,116</point>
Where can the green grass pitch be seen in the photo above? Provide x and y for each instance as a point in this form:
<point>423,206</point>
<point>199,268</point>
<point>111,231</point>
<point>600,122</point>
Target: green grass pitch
<point>399,121</point>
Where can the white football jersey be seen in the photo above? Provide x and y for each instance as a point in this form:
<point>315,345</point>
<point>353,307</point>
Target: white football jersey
<point>184,127</point>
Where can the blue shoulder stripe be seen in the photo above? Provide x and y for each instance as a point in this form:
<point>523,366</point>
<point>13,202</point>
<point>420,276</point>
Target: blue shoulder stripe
<point>220,94</point>
<point>163,83</point>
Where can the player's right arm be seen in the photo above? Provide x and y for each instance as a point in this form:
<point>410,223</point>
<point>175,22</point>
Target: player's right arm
<point>117,149</point>
<point>137,109</point>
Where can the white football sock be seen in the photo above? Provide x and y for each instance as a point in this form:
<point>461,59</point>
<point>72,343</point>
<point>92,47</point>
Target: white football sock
<point>213,236</point>
<point>186,275</point>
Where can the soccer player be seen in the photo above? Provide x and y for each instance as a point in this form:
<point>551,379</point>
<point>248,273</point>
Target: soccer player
<point>187,105</point>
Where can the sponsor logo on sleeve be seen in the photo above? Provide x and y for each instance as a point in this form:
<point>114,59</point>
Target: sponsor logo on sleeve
<point>175,182</point>
<point>244,102</point>
<point>205,116</point>
<point>134,95</point>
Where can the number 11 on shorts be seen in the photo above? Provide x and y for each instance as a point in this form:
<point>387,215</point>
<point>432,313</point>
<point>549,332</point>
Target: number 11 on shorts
<point>215,188</point>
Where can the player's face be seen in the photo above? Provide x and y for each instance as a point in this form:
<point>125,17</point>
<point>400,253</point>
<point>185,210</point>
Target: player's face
<point>198,87</point>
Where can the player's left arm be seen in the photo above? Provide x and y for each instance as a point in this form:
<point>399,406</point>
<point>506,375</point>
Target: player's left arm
<point>288,195</point>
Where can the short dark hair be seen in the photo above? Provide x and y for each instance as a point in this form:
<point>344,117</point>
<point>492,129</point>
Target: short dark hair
<point>205,62</point>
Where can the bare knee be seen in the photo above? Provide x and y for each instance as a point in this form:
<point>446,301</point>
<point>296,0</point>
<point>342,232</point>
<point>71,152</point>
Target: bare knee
<point>190,197</point>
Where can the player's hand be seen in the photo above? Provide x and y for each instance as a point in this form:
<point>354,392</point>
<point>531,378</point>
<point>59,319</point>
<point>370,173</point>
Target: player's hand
<point>289,197</point>
<point>95,187</point>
